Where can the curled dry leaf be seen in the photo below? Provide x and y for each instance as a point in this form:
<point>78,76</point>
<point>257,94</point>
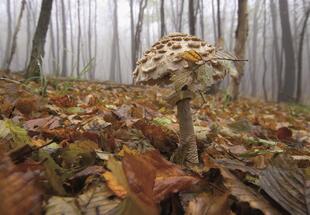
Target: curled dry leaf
<point>245,194</point>
<point>288,184</point>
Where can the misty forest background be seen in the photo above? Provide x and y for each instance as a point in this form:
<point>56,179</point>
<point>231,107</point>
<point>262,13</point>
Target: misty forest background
<point>100,39</point>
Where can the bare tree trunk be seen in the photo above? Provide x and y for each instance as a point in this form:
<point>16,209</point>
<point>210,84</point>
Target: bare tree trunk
<point>71,37</point>
<point>214,22</point>
<point>115,64</point>
<point>264,53</point>
<point>162,18</point>
<point>95,41</point>
<point>180,15</point>
<point>9,33</point>
<point>276,46</point>
<point>37,53</point>
<point>192,17</point>
<point>64,40</point>
<point>254,47</point>
<point>288,89</point>
<point>78,40</point>
<point>138,30</point>
<point>231,42</point>
<point>202,24</point>
<point>241,38</point>
<point>300,50</point>
<point>91,76</point>
<point>219,31</point>
<point>53,60</point>
<point>28,35</point>
<point>132,32</point>
<point>57,39</point>
<point>14,40</point>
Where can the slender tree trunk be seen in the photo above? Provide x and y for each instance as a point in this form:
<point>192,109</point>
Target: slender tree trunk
<point>264,53</point>
<point>138,30</point>
<point>162,18</point>
<point>14,40</point>
<point>57,39</point>
<point>300,50</point>
<point>53,59</point>
<point>202,24</point>
<point>231,42</point>
<point>192,17</point>
<point>115,64</point>
<point>95,41</point>
<point>180,15</point>
<point>288,90</point>
<point>254,47</point>
<point>240,47</point>
<point>214,21</point>
<point>278,63</point>
<point>78,40</point>
<point>64,40</point>
<point>219,31</point>
<point>71,37</point>
<point>28,35</point>
<point>37,53</point>
<point>91,76</point>
<point>9,33</point>
<point>132,32</point>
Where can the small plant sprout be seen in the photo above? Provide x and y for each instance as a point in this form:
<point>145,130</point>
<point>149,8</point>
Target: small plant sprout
<point>188,65</point>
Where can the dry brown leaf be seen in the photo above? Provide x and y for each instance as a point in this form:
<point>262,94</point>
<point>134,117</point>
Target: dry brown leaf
<point>288,183</point>
<point>18,193</point>
<point>245,194</point>
<point>209,204</point>
<point>114,185</point>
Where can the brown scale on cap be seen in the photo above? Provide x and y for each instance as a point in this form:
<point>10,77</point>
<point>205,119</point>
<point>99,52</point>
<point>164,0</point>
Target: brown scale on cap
<point>180,53</point>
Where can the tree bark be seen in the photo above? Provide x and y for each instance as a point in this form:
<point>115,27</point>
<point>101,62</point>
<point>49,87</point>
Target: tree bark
<point>37,53</point>
<point>14,40</point>
<point>71,37</point>
<point>91,76</point>
<point>264,53</point>
<point>214,22</point>
<point>162,18</point>
<point>219,19</point>
<point>57,60</point>
<point>9,33</point>
<point>300,51</point>
<point>78,40</point>
<point>254,48</point>
<point>192,17</point>
<point>137,32</point>
<point>132,32</point>
<point>278,57</point>
<point>64,40</point>
<point>180,15</point>
<point>115,65</point>
<point>241,38</point>
<point>288,89</point>
<point>202,24</point>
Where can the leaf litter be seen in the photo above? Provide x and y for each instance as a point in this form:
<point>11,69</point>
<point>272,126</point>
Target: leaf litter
<point>105,148</point>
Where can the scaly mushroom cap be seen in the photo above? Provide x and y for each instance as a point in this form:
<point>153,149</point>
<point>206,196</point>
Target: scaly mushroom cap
<point>182,60</point>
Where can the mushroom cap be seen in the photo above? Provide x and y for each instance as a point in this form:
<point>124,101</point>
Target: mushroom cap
<point>180,60</point>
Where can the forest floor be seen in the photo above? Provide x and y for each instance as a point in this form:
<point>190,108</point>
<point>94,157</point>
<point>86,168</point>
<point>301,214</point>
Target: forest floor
<point>104,148</point>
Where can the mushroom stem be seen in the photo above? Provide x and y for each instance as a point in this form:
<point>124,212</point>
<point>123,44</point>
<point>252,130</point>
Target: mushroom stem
<point>187,134</point>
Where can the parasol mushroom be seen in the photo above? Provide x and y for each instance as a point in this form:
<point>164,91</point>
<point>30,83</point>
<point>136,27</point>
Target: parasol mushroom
<point>189,65</point>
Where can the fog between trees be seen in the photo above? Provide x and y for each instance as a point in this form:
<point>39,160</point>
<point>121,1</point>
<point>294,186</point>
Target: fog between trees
<point>94,39</point>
